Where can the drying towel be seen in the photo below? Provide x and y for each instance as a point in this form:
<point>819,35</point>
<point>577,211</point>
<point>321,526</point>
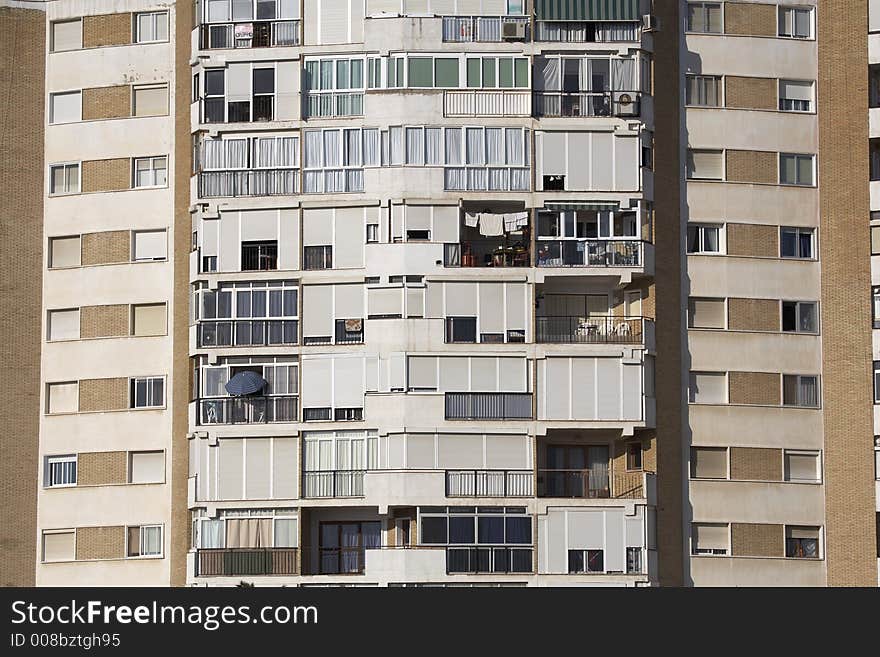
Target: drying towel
<point>515,220</point>
<point>471,219</point>
<point>491,225</point>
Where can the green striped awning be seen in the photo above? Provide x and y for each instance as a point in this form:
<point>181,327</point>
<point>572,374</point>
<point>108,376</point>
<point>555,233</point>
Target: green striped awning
<point>587,10</point>
<point>599,206</point>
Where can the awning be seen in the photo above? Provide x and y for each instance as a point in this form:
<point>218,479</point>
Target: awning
<point>598,206</point>
<point>245,383</point>
<point>587,10</point>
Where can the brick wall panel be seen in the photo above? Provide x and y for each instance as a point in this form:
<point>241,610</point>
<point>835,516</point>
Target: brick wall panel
<point>751,93</point>
<point>100,542</point>
<point>754,388</point>
<point>106,247</point>
<point>106,102</point>
<point>107,30</point>
<point>753,240</point>
<point>752,167</point>
<point>753,540</point>
<point>753,314</point>
<point>104,321</point>
<point>755,464</point>
<point>106,175</point>
<point>101,468</point>
<point>750,19</point>
<point>103,395</point>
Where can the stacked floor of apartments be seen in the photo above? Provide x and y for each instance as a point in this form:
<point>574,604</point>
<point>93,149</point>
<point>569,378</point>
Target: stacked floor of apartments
<point>435,292</point>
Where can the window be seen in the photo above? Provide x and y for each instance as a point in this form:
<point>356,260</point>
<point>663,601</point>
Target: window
<point>796,243</point>
<point>66,35</point>
<point>704,17</point>
<point>703,91</point>
<point>633,560</point>
<point>59,545</point>
<point>795,22</point>
<point>151,26</point>
<point>802,542</point>
<point>348,414</point>
<point>634,456</point>
<point>710,538</point>
<point>60,471</point>
<point>795,96</point>
<point>318,257</point>
<point>705,165</point>
<point>372,233</point>
<point>64,252</point>
<point>150,171</point>
<point>65,107</point>
<point>707,313</point>
<point>150,101</point>
<point>62,397</point>
<point>215,96</point>
<point>146,467</point>
<point>802,466</point>
<point>147,392</point>
<point>586,561</point>
<point>149,245</point>
<point>708,388</point>
<point>703,239</point>
<point>798,390</point>
<point>708,463</point>
<point>144,541</point>
<point>264,94</point>
<point>461,329</point>
<point>795,169</point>
<point>64,179</point>
<point>63,324</point>
<point>799,317</point>
<point>259,256</point>
<point>148,319</point>
<point>877,382</point>
<point>875,306</point>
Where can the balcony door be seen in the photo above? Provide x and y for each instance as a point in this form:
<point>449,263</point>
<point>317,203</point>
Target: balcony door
<point>577,471</point>
<point>343,545</point>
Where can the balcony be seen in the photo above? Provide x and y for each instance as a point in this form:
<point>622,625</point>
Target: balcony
<point>591,484</point>
<point>490,559</point>
<point>247,333</point>
<point>590,330</point>
<point>257,34</point>
<point>587,31</point>
<point>346,331</point>
<point>333,483</point>
<point>462,29</point>
<point>248,182</point>
<point>474,102</point>
<point>335,103</point>
<point>590,253</point>
<point>587,103</point>
<point>247,410</point>
<point>217,110</point>
<point>489,483</point>
<point>488,405</point>
<point>246,561</point>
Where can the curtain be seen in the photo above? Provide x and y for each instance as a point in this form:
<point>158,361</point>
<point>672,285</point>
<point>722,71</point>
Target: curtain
<point>433,146</point>
<point>248,532</point>
<point>285,532</point>
<point>623,74</point>
<point>331,148</point>
<point>397,145</point>
<point>326,81</point>
<point>351,156</point>
<point>213,154</point>
<point>455,179</point>
<point>453,146</point>
<point>475,146</point>
<point>495,146</point>
<point>212,534</point>
<point>334,181</point>
<point>313,158</point>
<point>415,151</point>
<point>498,180</point>
<point>515,146</point>
<point>585,83</point>
<point>371,154</point>
<point>312,182</point>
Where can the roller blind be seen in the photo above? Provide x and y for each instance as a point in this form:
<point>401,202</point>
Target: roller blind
<point>415,302</point>
<point>553,153</point>
<point>348,382</point>
<point>238,82</point>
<point>706,165</point>
<point>709,463</point>
<point>317,382</point>
<point>706,313</point>
<point>258,468</point>
<point>349,303</point>
<point>65,108</point>
<point>348,247</point>
<point>229,469</point>
<point>793,90</point>
<point>454,374</point>
<point>708,387</point>
<point>587,10</point>
<point>506,452</point>
<point>461,299</point>
<point>491,307</point>
<point>512,374</point>
<point>59,546</point>
<point>317,227</point>
<point>418,217</point>
<point>516,306</point>
<point>445,227</point>
<point>284,468</point>
<point>64,324</point>
<point>385,301</point>
<point>420,451</point>
<point>317,310</point>
<point>151,101</point>
<point>147,467</point>
<point>460,451</point>
<point>151,245</point>
<point>710,537</point>
<point>150,319</point>
<point>65,252</point>
<point>66,35</point>
<point>803,532</point>
<point>801,467</point>
<point>63,397</point>
<point>422,372</point>
<point>484,374</point>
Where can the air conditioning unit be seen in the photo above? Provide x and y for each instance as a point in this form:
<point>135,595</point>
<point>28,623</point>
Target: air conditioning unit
<point>626,103</point>
<point>513,30</point>
<point>650,23</point>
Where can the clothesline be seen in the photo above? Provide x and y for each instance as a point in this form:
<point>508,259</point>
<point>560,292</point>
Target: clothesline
<point>493,225</point>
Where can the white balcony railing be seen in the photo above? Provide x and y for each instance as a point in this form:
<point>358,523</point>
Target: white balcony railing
<point>486,103</point>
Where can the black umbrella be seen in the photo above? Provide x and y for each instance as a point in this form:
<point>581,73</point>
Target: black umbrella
<point>245,383</point>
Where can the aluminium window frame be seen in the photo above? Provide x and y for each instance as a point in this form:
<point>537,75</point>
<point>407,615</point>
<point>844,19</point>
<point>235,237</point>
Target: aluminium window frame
<point>141,540</point>
<point>798,304</point>
<point>153,169</point>
<point>150,381</point>
<point>54,459</point>
<point>154,24</point>
<point>77,164</point>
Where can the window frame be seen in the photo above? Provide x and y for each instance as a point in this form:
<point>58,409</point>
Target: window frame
<point>52,25</point>
<point>798,158</point>
<point>141,536</point>
<point>50,114</point>
<point>819,552</point>
<point>719,90</point>
<point>798,305</point>
<point>803,452</point>
<point>151,159</point>
<point>150,382</point>
<point>704,18</point>
<point>700,228</point>
<point>48,461</point>
<point>782,9</point>
<point>799,402</point>
<point>798,232</point>
<point>65,165</point>
<point>152,15</point>
<point>782,100</point>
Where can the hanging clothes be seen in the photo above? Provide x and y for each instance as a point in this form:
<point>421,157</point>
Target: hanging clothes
<point>471,219</point>
<point>491,225</point>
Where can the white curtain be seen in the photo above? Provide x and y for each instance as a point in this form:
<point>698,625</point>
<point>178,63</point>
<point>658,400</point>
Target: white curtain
<point>331,148</point>
<point>334,181</point>
<point>151,540</point>
<point>433,146</point>
<point>477,179</point>
<point>371,147</point>
<point>213,154</point>
<point>515,146</point>
<point>547,78</point>
<point>212,534</point>
<point>495,146</point>
<point>455,179</point>
<point>475,146</point>
<point>352,153</point>
<point>453,146</point>
<point>623,74</point>
<point>236,153</point>
<point>415,146</point>
<point>585,83</point>
<point>313,148</point>
<point>275,152</point>
<point>397,145</point>
<point>519,180</point>
<point>312,181</point>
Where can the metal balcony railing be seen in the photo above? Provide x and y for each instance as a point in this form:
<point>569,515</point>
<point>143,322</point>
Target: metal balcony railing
<point>255,34</point>
<point>489,559</point>
<point>496,102</point>
<point>590,253</point>
<point>248,410</point>
<point>489,483</point>
<point>212,562</point>
<point>247,332</point>
<point>248,182</point>
<point>590,483</point>
<point>590,330</point>
<point>333,103</point>
<point>586,103</point>
<point>333,483</point>
<point>484,253</point>
<point>488,405</point>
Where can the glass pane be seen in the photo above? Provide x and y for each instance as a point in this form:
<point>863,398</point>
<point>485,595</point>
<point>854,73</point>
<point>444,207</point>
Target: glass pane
<point>521,72</point>
<point>446,72</point>
<point>264,80</point>
<point>473,72</point>
<point>488,71</point>
<point>805,171</point>
<point>505,72</point>
<point>788,243</point>
<point>434,530</point>
<point>710,239</point>
<point>419,72</point>
<point>461,530</point>
<point>808,317</point>
<point>805,244</point>
<point>490,530</point>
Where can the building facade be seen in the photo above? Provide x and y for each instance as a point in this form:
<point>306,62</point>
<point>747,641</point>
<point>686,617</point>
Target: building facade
<point>436,292</point>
